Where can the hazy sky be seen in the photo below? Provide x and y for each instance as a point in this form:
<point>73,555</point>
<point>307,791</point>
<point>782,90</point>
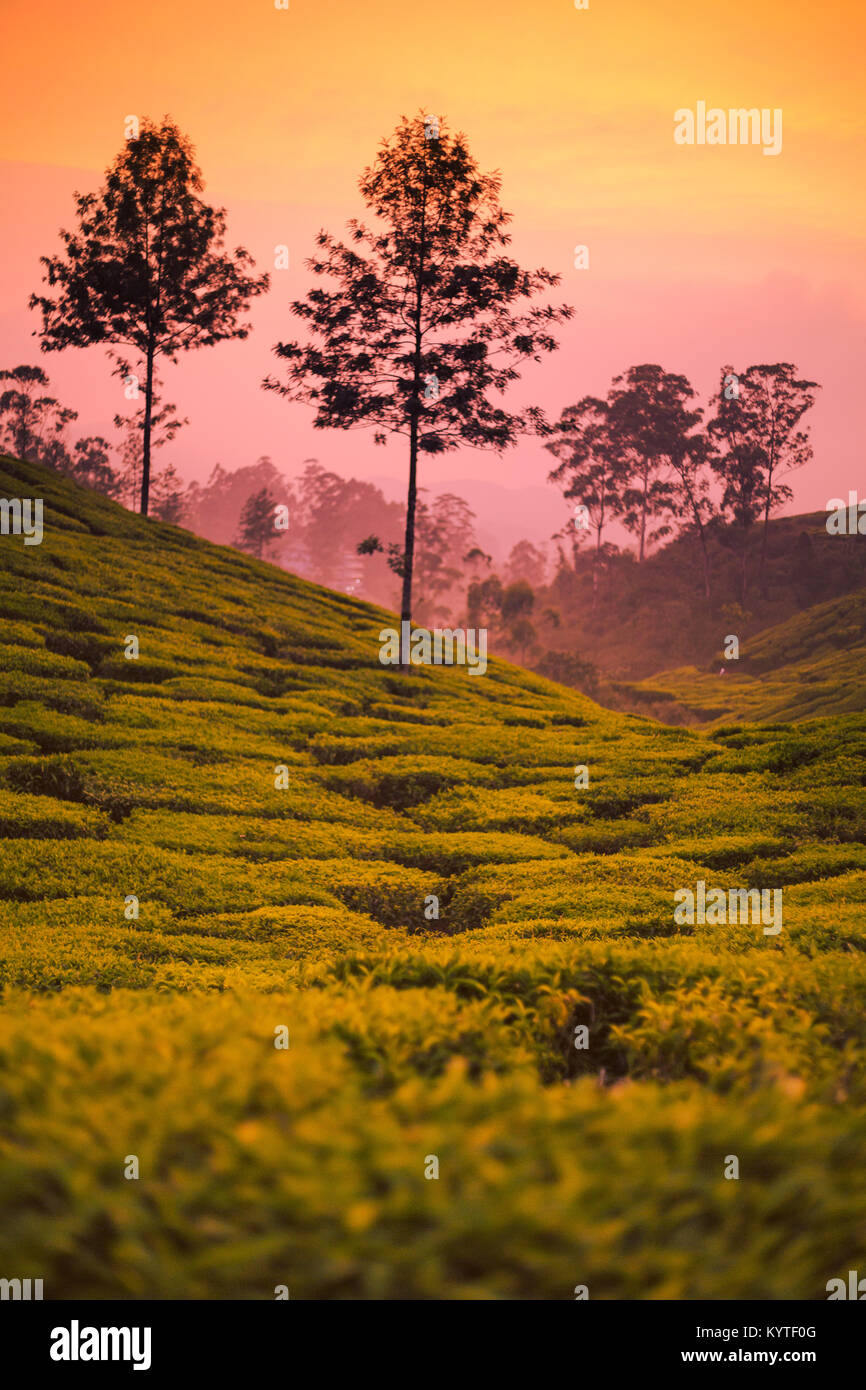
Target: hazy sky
<point>698,255</point>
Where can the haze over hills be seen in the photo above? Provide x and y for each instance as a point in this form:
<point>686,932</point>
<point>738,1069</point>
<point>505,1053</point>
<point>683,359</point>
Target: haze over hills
<point>505,515</point>
<point>811,664</point>
<point>377,977</point>
<point>655,618</point>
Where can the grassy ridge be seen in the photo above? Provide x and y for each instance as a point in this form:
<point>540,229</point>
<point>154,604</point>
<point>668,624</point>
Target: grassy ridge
<point>811,664</point>
<point>652,616</point>
<point>308,907</point>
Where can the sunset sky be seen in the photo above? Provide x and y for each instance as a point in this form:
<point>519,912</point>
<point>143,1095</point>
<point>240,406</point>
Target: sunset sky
<point>698,255</point>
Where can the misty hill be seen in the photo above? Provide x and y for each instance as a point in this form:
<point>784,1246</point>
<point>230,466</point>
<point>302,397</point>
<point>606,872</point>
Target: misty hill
<point>654,617</point>
<point>504,515</point>
<point>385,996</point>
<point>811,664</point>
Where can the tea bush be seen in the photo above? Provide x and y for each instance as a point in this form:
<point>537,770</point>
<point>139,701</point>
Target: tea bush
<point>402,872</point>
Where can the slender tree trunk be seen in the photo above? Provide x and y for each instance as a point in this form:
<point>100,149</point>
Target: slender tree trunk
<point>21,435</point>
<point>772,460</point>
<point>704,552</point>
<point>145,453</point>
<point>706,561</point>
<point>643,513</point>
<point>763,558</point>
<point>409,544</point>
<point>415,408</point>
<point>595,567</point>
<point>745,566</point>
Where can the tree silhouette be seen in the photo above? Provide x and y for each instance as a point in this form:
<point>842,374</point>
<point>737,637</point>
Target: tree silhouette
<point>32,423</point>
<point>590,471</point>
<point>90,465</point>
<point>776,401</point>
<point>518,601</point>
<point>522,635</point>
<point>146,271</point>
<point>213,508</point>
<point>736,460</point>
<point>758,440</point>
<point>691,501</point>
<point>427,319</point>
<point>526,561</point>
<point>332,514</point>
<point>168,495</point>
<point>256,531</point>
<point>484,600</point>
<point>445,534</point>
<point>646,416</point>
<point>670,426</point>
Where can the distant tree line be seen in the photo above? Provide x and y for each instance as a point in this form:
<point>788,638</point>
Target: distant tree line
<point>341,532</point>
<point>646,457</point>
<point>35,426</point>
<point>329,518</point>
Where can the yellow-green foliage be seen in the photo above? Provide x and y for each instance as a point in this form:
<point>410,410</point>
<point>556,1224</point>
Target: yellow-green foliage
<point>812,664</point>
<point>434,911</point>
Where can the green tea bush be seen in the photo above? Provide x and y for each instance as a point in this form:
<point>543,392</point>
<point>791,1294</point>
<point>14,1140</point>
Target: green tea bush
<point>475,958</point>
<point>40,818</point>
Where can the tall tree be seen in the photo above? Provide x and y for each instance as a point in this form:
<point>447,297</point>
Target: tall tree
<point>256,532</point>
<point>426,319</point>
<point>484,600</point>
<point>146,271</point>
<point>445,536</point>
<point>168,495</point>
<point>671,422</point>
<point>526,561</point>
<point>691,502</point>
<point>756,429</point>
<point>590,472</point>
<point>775,401</point>
<point>643,418</point>
<point>90,465</point>
<point>736,461</point>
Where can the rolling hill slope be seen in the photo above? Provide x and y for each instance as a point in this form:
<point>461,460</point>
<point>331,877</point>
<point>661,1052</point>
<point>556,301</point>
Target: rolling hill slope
<point>653,617</point>
<point>813,664</point>
<point>222,965</point>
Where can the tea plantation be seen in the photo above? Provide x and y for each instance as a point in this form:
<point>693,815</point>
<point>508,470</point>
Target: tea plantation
<point>240,838</point>
<point>813,663</point>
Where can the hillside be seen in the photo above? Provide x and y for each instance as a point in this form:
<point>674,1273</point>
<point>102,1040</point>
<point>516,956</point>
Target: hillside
<point>813,664</point>
<point>411,1038</point>
<point>654,617</point>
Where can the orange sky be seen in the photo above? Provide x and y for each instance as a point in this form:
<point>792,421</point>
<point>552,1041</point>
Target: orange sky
<point>697,255</point>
